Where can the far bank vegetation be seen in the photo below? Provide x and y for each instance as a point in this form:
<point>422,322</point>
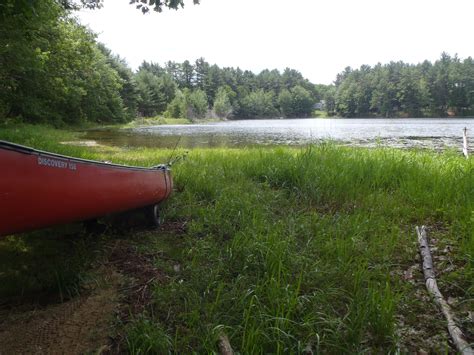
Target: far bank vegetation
<point>53,70</point>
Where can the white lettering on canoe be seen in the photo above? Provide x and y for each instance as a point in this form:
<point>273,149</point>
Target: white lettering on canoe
<point>56,163</point>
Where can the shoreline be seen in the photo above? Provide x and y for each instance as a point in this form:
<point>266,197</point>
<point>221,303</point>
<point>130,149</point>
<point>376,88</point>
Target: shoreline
<point>261,242</point>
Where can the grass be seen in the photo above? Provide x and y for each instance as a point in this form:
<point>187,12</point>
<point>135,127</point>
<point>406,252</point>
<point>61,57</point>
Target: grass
<point>280,247</point>
<point>160,120</point>
<point>157,120</point>
<point>46,267</point>
<point>320,114</point>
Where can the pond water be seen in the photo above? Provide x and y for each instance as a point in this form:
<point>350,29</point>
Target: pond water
<point>401,133</point>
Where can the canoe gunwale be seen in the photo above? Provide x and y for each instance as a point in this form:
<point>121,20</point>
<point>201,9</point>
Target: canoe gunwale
<point>31,151</point>
<point>65,189</point>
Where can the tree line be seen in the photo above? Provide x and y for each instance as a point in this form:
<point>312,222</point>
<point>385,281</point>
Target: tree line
<point>196,90</point>
<point>440,89</point>
<point>52,70</point>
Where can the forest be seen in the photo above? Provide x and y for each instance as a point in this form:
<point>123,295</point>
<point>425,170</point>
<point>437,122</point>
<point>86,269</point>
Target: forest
<point>439,89</point>
<point>263,248</point>
<point>53,70</point>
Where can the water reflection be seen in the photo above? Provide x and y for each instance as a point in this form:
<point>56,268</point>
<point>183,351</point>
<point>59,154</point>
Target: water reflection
<point>423,133</point>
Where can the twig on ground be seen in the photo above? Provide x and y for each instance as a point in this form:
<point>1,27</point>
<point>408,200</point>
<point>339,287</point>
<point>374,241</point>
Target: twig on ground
<point>432,287</point>
<point>224,345</point>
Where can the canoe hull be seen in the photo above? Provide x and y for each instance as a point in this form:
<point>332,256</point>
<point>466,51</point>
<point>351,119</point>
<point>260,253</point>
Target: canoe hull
<point>40,189</point>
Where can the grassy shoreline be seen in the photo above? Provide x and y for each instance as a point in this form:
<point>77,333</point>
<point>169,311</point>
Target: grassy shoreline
<point>284,247</point>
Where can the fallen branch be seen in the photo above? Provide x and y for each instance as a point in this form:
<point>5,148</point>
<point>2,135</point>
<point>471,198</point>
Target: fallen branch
<point>224,345</point>
<point>308,350</point>
<point>432,287</point>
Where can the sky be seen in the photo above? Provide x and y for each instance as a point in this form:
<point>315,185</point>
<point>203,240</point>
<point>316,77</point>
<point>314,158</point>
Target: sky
<point>319,38</point>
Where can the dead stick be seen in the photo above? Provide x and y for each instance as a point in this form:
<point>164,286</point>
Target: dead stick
<point>308,350</point>
<point>432,287</point>
<point>224,345</point>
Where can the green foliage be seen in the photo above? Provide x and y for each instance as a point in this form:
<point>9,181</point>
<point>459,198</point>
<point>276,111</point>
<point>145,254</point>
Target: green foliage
<point>296,102</point>
<point>241,88</point>
<point>302,101</point>
<point>155,92</point>
<point>177,107</point>
<point>186,78</point>
<point>258,104</point>
<point>188,104</point>
<point>280,232</point>
<point>129,91</point>
<point>145,337</point>
<point>285,101</point>
<point>156,5</point>
<point>53,71</point>
<point>103,102</point>
<point>398,89</point>
<point>282,247</point>
<point>222,105</point>
<point>195,104</point>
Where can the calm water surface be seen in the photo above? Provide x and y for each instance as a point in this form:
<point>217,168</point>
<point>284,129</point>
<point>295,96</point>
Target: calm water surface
<point>407,132</point>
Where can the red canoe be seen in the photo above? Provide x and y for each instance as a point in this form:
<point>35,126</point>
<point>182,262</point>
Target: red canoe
<point>40,189</point>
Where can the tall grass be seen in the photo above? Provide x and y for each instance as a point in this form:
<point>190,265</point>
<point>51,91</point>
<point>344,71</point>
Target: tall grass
<point>289,247</point>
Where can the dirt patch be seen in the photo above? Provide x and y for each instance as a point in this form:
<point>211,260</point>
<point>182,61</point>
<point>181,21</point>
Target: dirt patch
<point>176,228</point>
<point>94,320</point>
<point>140,273</point>
<point>77,326</point>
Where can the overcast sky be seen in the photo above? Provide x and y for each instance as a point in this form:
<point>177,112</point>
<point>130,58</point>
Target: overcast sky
<point>317,38</point>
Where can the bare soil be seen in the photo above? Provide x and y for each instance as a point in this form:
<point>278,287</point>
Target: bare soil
<point>77,326</point>
<point>89,322</point>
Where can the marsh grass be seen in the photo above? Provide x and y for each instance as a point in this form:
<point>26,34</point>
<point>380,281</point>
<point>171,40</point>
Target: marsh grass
<point>288,247</point>
<point>158,120</point>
